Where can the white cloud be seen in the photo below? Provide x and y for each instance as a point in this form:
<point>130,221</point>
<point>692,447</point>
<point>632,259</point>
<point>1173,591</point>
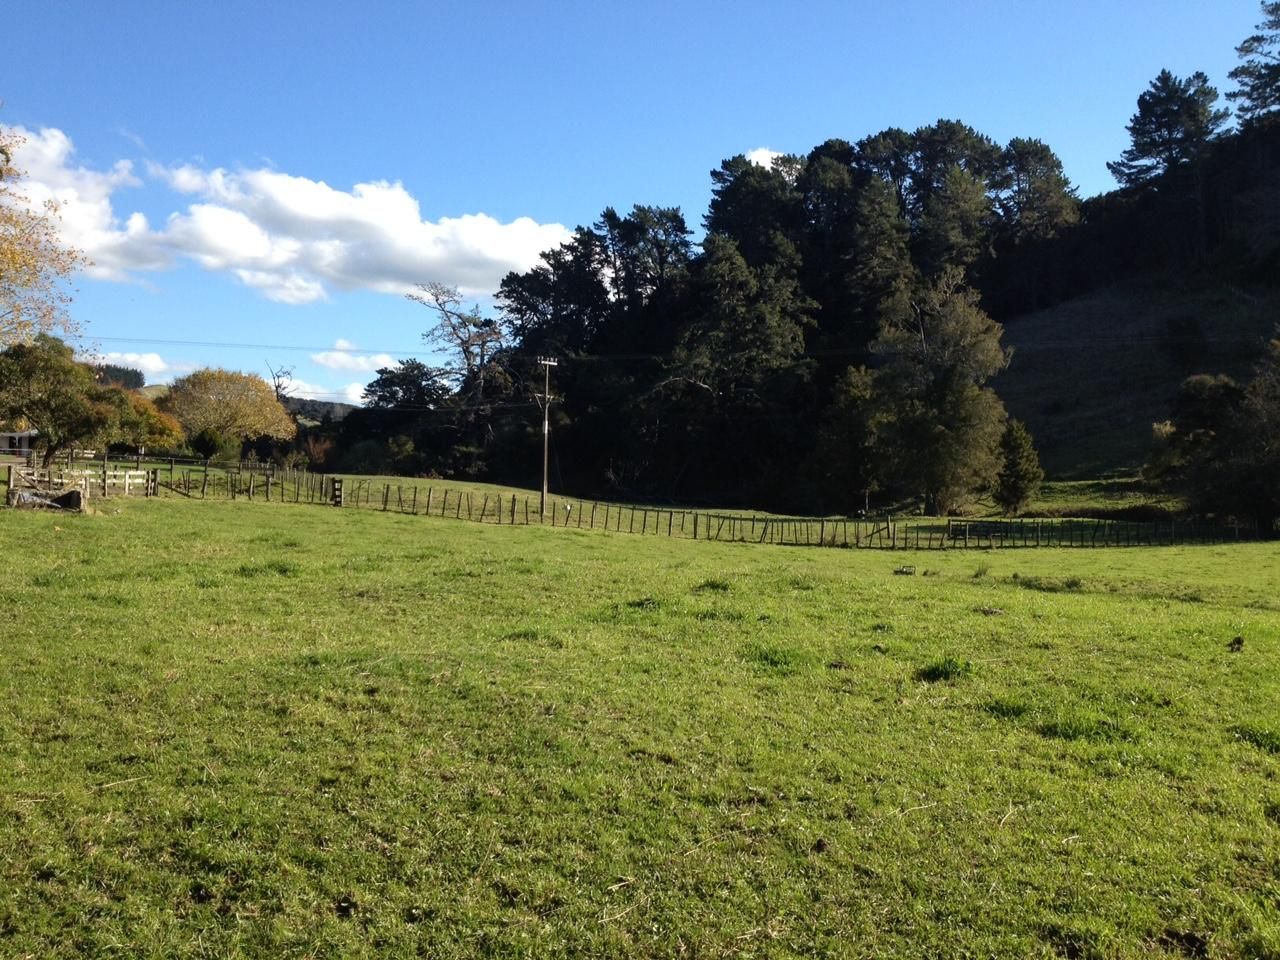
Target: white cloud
<point>152,364</point>
<point>763,156</point>
<point>289,237</point>
<point>351,393</point>
<point>342,357</point>
<point>87,220</point>
<point>155,367</point>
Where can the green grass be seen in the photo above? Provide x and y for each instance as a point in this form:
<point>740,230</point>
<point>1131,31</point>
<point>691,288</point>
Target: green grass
<point>1101,498</point>
<point>267,730</point>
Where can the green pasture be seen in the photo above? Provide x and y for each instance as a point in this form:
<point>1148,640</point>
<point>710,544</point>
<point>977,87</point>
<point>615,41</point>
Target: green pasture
<point>265,730</point>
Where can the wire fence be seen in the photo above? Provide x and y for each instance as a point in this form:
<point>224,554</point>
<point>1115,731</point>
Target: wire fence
<point>250,480</point>
<point>499,509</point>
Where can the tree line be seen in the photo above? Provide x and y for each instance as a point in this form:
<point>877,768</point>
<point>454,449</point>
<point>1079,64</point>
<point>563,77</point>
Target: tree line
<point>830,343</point>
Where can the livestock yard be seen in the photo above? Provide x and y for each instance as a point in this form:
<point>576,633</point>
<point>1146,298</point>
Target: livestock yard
<point>275,729</point>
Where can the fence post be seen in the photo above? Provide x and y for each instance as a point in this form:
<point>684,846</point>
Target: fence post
<point>513,509</point>
<point>695,526</point>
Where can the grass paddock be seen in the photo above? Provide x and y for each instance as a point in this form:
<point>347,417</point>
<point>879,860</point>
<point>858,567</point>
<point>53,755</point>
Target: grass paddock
<point>246,729</point>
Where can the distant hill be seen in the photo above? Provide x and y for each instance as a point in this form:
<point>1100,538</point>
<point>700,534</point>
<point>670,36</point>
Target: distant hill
<point>1090,375</point>
<point>315,410</point>
<point>309,410</point>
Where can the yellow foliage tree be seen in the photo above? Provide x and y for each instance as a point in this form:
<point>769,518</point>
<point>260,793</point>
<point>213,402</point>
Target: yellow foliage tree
<point>34,262</point>
<point>229,404</point>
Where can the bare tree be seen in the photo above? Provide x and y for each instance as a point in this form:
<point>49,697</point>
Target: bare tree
<point>281,380</point>
<point>470,338</point>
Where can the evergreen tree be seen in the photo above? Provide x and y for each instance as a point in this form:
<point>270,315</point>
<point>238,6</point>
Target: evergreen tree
<point>941,147</point>
<point>1175,122</point>
<point>942,424</point>
<point>880,271</point>
<point>1020,474</point>
<point>888,156</point>
<point>1259,76</point>
<point>1037,201</point>
<point>955,230</point>
<point>757,207</point>
<point>1222,448</point>
<point>845,459</point>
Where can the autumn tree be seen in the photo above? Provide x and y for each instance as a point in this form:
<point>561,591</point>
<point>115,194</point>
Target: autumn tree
<point>44,387</point>
<point>34,262</point>
<point>228,404</point>
<point>142,424</point>
<point>1259,75</point>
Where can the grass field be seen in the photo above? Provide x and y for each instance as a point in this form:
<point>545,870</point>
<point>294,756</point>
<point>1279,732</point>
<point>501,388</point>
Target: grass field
<point>271,730</point>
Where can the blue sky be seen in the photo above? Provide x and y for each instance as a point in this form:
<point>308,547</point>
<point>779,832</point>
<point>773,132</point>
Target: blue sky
<point>276,174</point>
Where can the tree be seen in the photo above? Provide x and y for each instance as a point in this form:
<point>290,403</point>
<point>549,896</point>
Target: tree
<point>559,306</point>
<point>846,454</point>
<point>942,425</point>
<point>281,381</point>
<point>1175,122</point>
<point>1259,75</point>
<point>1020,474</point>
<point>43,386</point>
<point>471,338</point>
<point>142,424</point>
<point>1222,447</point>
<point>751,325</point>
<point>1037,201</point>
<point>888,155</point>
<point>228,404</point>
<point>955,229</point>
<point>757,207</point>
<point>126,377</point>
<point>938,149</point>
<point>410,385</point>
<point>34,262</point>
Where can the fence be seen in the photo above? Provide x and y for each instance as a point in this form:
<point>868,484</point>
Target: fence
<point>513,509</point>
<point>91,482</point>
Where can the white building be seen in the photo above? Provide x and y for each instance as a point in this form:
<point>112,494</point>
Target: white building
<point>17,443</point>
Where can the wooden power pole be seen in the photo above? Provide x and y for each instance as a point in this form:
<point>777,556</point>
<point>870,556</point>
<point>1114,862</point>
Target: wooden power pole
<point>547,364</point>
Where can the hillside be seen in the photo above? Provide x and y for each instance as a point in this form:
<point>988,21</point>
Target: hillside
<point>317,410</point>
<point>1090,375</point>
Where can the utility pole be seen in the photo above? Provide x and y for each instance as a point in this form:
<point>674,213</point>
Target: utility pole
<point>547,364</point>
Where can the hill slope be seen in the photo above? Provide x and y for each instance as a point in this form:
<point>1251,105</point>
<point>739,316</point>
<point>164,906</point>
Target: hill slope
<point>1090,375</point>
